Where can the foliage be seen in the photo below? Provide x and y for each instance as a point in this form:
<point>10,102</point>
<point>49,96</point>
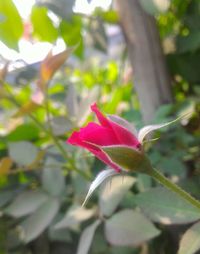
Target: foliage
<point>44,181</point>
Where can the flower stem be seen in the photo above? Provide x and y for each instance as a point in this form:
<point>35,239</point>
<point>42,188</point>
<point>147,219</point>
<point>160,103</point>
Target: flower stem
<point>173,187</point>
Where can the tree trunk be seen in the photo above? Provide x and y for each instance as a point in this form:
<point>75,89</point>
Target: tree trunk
<point>150,75</point>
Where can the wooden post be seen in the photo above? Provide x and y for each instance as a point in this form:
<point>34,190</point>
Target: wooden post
<point>150,75</point>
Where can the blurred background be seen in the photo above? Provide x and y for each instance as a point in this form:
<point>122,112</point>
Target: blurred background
<point>136,59</point>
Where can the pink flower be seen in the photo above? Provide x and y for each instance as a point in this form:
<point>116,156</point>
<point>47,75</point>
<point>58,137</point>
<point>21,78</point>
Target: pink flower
<point>94,137</point>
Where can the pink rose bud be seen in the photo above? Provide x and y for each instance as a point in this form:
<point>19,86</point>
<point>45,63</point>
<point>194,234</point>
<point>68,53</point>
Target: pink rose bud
<point>110,142</point>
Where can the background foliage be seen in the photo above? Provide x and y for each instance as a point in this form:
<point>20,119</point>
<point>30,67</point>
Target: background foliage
<point>44,181</point>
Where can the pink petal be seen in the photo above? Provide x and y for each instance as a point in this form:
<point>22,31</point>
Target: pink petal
<point>124,136</point>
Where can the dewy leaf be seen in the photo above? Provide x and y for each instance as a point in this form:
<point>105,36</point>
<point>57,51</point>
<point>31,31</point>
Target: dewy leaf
<point>149,128</point>
<point>11,27</point>
<point>26,203</point>
<point>36,223</point>
<point>23,152</point>
<point>127,158</point>
<point>165,207</point>
<point>102,176</point>
<point>5,165</point>
<point>86,238</point>
<point>74,216</point>
<point>129,228</point>
<point>112,193</point>
<point>190,243</point>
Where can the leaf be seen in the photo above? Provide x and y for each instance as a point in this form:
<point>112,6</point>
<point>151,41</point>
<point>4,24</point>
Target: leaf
<point>190,243</point>
<point>24,132</point>
<point>102,176</point>
<point>155,7</point>
<point>26,203</point>
<point>189,43</point>
<point>6,196</point>
<point>60,125</point>
<point>129,228</point>
<point>22,152</point>
<point>62,8</point>
<point>113,192</point>
<point>149,128</point>
<point>127,158</point>
<point>165,207</point>
<point>74,216</point>
<point>86,238</point>
<point>26,109</point>
<point>53,180</point>
<point>51,64</point>
<point>5,165</point>
<point>72,102</point>
<point>10,34</point>
<point>43,26</point>
<point>36,223</point>
<point>71,32</point>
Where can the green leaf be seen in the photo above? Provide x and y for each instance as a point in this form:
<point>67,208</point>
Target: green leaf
<point>26,203</point>
<point>110,16</point>
<point>127,158</point>
<point>189,43</point>
<point>165,207</point>
<point>60,125</point>
<point>154,7</point>
<point>23,152</point>
<point>11,27</point>
<point>23,132</point>
<point>36,223</point>
<point>53,180</point>
<point>5,197</point>
<point>43,27</point>
<point>129,228</point>
<point>86,238</point>
<point>71,33</point>
<point>74,217</point>
<point>113,192</point>
<point>190,243</point>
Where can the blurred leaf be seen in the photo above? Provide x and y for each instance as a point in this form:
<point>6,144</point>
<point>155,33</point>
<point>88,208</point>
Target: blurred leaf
<point>23,132</point>
<point>51,64</point>
<point>86,238</point>
<point>61,235</point>
<point>53,180</point>
<point>26,203</point>
<point>110,16</point>
<point>154,7</point>
<point>71,33</point>
<point>166,207</point>
<point>190,243</point>
<point>5,165</point>
<point>129,228</point>
<point>9,33</point>
<point>173,166</point>
<point>113,192</point>
<point>23,152</point>
<point>60,125</point>
<point>84,105</point>
<point>62,8</point>
<point>37,222</point>
<point>189,43</point>
<point>6,196</point>
<point>74,216</point>
<point>100,178</point>
<point>27,108</point>
<point>43,27</point>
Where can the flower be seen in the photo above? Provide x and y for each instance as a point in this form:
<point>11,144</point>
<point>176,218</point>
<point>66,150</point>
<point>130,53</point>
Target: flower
<point>96,137</point>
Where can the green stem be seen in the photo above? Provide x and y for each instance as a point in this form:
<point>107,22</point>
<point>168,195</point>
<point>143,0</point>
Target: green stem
<point>173,187</point>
